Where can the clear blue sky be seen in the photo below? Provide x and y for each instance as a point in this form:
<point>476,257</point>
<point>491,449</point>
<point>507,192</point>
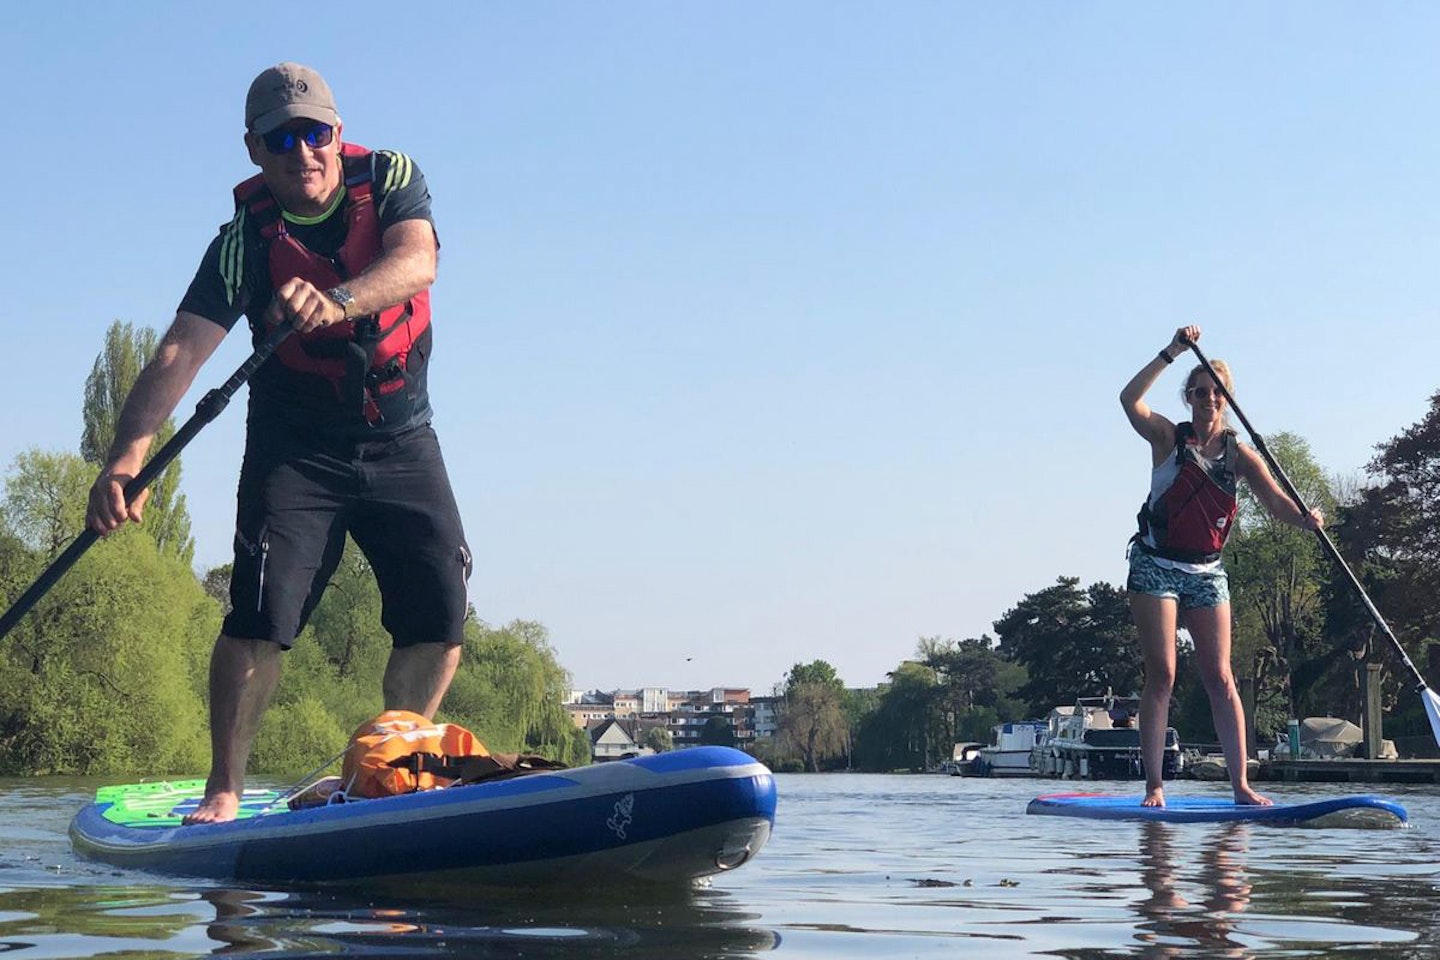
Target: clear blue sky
<point>769,332</point>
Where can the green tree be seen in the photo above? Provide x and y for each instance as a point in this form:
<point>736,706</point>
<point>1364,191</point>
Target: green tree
<point>217,584</point>
<point>98,678</point>
<point>1276,574</point>
<point>108,674</point>
<point>658,739</point>
<point>1391,538</point>
<point>811,724</point>
<point>332,675</point>
<point>508,689</point>
<point>857,703</point>
<point>976,686</point>
<point>903,732</point>
<point>1072,643</point>
<point>718,732</point>
<point>45,498</point>
<point>346,626</point>
<point>816,671</point>
<point>1397,522</point>
<point>124,354</point>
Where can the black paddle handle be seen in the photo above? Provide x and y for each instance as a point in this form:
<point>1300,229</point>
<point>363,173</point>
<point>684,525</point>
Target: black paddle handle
<point>1320,534</point>
<point>209,407</point>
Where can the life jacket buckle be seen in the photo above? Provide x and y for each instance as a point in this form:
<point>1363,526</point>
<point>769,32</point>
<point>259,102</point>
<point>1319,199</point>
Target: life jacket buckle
<point>380,382</point>
<point>366,328</point>
<point>373,417</point>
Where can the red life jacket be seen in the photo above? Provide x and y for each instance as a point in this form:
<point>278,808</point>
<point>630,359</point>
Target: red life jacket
<point>1191,518</point>
<point>365,358</point>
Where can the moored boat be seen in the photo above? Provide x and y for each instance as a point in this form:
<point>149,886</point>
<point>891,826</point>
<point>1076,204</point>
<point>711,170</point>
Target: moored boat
<point>1008,753</point>
<point>1099,739</point>
<point>963,760</point>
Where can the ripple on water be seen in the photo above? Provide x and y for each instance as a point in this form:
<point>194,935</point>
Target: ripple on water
<point>858,866</point>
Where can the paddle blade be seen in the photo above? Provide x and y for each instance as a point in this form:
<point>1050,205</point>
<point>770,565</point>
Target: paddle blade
<point>1432,710</point>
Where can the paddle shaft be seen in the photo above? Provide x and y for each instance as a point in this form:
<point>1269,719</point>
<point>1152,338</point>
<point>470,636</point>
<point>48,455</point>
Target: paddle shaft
<point>1320,534</point>
<point>206,410</point>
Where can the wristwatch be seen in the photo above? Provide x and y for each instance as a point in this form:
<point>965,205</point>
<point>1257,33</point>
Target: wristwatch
<point>342,296</point>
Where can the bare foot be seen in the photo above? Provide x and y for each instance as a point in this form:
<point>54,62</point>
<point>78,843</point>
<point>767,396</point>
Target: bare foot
<point>217,807</point>
<point>1154,797</point>
<point>1248,797</point>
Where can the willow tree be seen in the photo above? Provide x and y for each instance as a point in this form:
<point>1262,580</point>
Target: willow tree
<point>903,732</point>
<point>509,689</point>
<point>124,354</point>
<point>812,722</point>
<point>332,675</point>
<point>103,676</point>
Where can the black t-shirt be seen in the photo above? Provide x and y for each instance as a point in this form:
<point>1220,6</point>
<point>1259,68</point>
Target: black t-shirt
<point>234,280</point>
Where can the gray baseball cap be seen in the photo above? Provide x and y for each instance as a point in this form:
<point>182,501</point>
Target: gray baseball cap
<point>284,92</point>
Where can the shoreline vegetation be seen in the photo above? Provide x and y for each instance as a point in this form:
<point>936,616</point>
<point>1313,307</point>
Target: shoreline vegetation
<point>1301,638</point>
<point>107,675</point>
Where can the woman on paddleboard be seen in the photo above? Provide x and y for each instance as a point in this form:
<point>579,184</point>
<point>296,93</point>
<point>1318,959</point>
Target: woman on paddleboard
<point>1177,577</point>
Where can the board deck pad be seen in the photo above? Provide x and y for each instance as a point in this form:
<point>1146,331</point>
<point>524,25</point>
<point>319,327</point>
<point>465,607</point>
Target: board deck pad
<point>163,804</point>
<point>1363,810</point>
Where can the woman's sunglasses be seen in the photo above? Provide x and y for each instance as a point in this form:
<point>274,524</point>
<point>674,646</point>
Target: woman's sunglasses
<point>1202,393</point>
<point>284,140</point>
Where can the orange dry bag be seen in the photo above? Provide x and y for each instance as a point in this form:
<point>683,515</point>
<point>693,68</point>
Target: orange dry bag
<point>402,752</point>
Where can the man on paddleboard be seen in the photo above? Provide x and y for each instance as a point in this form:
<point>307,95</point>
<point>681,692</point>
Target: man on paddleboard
<point>1176,575</point>
<point>338,240</point>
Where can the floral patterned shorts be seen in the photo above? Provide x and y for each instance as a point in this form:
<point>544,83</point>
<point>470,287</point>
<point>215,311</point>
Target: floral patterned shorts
<point>1190,590</point>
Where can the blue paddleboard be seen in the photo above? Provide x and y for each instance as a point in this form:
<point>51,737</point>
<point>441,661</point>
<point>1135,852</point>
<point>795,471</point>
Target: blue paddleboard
<point>667,819</point>
<point>1354,811</point>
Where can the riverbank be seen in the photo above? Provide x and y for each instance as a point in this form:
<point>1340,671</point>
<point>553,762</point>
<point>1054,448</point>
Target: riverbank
<point>1349,771</point>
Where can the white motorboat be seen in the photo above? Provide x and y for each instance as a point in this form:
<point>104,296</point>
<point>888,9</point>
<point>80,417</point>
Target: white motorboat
<point>1099,739</point>
<point>964,760</point>
<point>1008,753</point>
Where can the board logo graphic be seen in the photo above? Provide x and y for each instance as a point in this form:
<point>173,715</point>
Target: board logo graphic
<point>621,819</point>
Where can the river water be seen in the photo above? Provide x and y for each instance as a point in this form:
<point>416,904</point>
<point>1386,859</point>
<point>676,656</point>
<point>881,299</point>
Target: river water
<point>858,866</point>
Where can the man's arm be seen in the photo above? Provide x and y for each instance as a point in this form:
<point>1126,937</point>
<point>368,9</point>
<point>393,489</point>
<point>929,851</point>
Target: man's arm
<point>405,267</point>
<point>183,350</point>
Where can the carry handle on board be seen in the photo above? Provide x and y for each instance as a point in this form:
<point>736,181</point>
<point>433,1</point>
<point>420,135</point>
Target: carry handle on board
<point>209,407</point>
<point>1427,696</point>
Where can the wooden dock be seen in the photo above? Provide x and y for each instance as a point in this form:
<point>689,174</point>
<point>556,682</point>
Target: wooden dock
<point>1350,771</point>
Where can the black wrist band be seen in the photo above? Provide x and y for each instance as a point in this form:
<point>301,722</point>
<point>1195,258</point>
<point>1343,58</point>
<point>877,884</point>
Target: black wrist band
<point>1166,357</point>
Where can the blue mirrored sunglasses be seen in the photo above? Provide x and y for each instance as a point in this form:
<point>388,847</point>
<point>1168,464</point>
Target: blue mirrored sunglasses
<point>284,140</point>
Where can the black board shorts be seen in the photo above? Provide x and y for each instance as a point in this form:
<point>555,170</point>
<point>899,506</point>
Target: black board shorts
<point>299,497</point>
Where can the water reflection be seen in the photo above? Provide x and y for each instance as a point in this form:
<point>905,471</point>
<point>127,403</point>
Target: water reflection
<point>1172,925</point>
<point>488,923</point>
<point>1241,890</point>
<point>866,866</point>
<point>160,921</point>
<point>231,928</point>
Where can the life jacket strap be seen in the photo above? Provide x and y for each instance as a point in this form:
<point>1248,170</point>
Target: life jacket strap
<point>475,769</point>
